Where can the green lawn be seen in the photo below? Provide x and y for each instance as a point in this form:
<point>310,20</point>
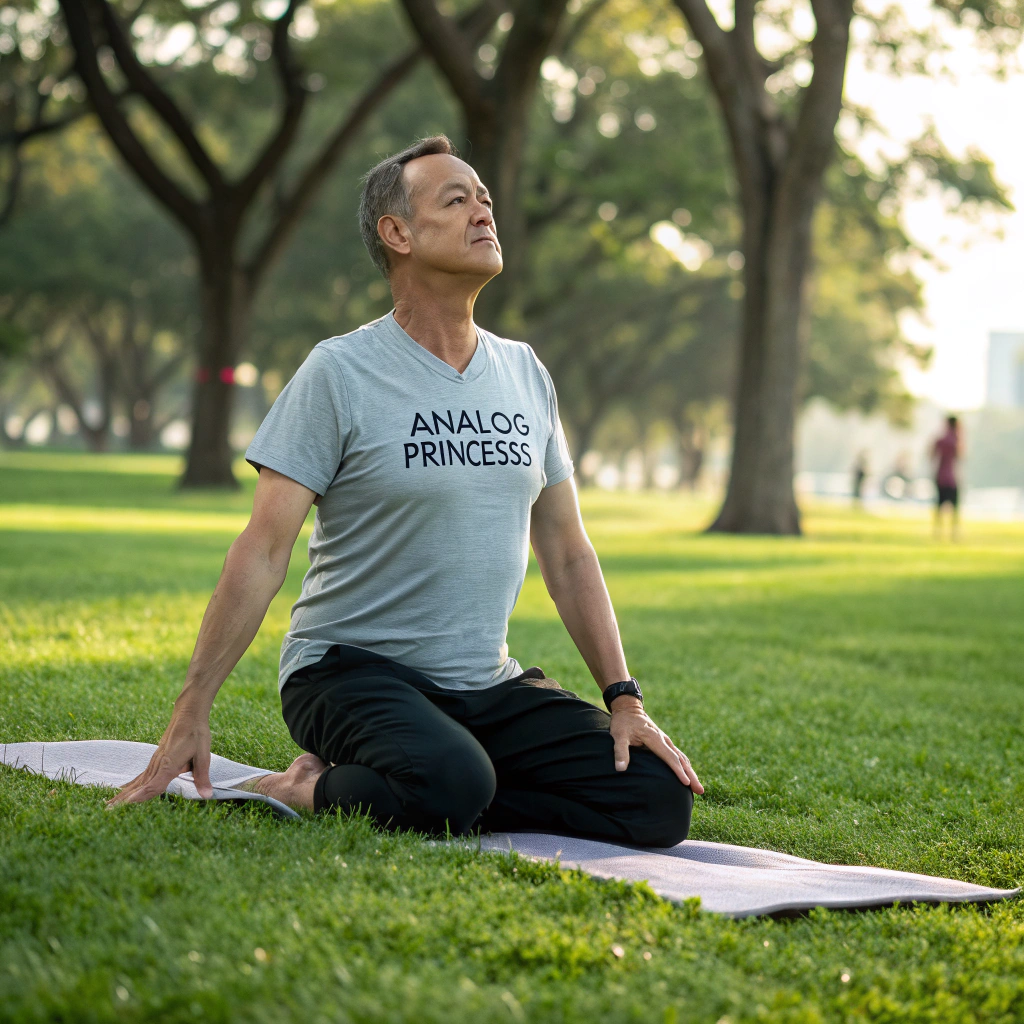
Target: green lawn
<point>855,696</point>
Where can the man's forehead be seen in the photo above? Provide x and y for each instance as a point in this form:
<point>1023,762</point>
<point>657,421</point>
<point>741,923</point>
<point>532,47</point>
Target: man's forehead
<point>439,171</point>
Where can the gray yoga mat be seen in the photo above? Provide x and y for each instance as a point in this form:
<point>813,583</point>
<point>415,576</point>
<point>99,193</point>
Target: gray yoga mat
<point>114,763</point>
<point>732,880</point>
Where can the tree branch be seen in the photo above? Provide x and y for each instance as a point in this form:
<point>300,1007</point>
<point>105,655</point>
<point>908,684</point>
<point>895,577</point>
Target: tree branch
<point>301,196</point>
<point>475,23</point>
<point>528,44</point>
<point>749,59</point>
<point>718,55</point>
<point>21,135</point>
<point>449,48</point>
<point>295,96</point>
<point>143,83</point>
<point>813,140</point>
<point>578,26</point>
<point>105,103</point>
<point>740,104</point>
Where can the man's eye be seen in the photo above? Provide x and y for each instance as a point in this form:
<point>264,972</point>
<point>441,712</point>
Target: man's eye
<point>458,199</point>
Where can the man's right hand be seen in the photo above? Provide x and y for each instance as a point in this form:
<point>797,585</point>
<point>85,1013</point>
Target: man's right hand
<point>184,745</point>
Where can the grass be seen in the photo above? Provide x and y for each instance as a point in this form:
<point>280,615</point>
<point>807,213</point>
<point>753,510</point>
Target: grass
<point>854,696</point>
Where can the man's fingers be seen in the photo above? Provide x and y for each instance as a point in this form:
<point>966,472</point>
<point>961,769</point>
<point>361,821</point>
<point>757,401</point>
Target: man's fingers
<point>664,748</point>
<point>130,793</point>
<point>201,773</point>
<point>146,791</point>
<point>621,753</point>
<point>152,782</point>
<point>695,783</point>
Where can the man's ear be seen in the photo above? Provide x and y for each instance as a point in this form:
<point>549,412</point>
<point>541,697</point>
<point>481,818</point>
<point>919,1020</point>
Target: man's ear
<point>394,232</point>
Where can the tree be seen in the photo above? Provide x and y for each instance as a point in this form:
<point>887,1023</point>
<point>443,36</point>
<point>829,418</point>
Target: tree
<point>239,218</point>
<point>96,279</point>
<point>780,111</point>
<point>36,95</point>
<point>630,155</point>
<point>496,91</point>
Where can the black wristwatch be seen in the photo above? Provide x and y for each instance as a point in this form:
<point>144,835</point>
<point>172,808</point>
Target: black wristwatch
<point>628,686</point>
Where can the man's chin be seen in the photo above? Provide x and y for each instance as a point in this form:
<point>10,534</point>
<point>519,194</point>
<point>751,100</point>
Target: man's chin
<point>482,265</point>
<point>490,267</point>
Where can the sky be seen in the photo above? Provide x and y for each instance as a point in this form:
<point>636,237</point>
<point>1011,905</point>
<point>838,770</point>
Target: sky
<point>976,284</point>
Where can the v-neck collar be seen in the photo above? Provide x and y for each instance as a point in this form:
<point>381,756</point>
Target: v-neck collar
<point>476,366</point>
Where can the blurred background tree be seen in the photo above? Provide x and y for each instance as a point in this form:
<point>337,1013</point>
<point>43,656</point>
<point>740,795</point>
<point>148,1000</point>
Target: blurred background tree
<point>101,282</point>
<point>184,96</point>
<point>631,277</point>
<point>777,73</point>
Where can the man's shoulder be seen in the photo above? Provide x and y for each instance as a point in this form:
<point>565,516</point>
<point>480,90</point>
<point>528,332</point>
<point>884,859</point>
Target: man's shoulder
<point>519,354</point>
<point>352,343</point>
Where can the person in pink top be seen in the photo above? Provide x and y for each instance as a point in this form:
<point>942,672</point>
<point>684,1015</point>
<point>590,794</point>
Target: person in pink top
<point>945,452</point>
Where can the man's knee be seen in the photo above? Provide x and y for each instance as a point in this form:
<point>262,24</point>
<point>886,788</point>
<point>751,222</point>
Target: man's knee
<point>662,814</point>
<point>456,781</point>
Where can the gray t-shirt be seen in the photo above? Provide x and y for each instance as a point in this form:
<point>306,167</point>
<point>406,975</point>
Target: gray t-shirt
<point>427,477</point>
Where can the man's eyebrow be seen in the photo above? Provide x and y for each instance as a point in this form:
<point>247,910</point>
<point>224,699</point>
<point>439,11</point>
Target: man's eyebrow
<point>458,183</point>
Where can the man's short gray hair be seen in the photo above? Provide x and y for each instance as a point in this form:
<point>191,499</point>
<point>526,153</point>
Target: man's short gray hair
<point>384,192</point>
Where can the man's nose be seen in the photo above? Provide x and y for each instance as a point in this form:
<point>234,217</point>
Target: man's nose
<point>482,214</point>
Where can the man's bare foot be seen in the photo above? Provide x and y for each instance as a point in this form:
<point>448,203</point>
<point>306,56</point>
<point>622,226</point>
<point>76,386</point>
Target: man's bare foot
<point>293,787</point>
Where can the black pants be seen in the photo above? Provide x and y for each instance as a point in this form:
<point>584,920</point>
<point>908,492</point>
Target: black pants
<point>524,755</point>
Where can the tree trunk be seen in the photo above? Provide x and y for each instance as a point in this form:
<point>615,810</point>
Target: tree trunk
<point>780,159</point>
<point>760,496</point>
<point>225,304</point>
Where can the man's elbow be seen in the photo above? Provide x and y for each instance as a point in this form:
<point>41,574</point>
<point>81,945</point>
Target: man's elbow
<point>255,554</point>
<point>569,563</point>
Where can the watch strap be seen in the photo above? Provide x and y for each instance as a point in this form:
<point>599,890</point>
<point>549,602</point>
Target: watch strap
<point>628,687</point>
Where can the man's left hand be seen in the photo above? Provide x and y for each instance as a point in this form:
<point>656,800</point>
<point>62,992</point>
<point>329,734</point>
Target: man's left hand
<point>632,727</point>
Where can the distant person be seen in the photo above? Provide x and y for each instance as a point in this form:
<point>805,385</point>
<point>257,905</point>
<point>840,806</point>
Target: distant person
<point>945,452</point>
<point>860,472</point>
<point>433,451</point>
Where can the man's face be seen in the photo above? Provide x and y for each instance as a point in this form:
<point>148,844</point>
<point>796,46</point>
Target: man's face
<point>451,228</point>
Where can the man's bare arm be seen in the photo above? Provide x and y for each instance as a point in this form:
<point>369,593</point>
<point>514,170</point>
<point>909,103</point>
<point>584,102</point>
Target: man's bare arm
<point>576,584</point>
<point>253,573</point>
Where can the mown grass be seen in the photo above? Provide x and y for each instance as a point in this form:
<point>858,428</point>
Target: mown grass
<point>854,696</point>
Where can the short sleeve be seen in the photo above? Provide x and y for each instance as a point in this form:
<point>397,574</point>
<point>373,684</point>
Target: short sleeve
<point>557,461</point>
<point>303,436</point>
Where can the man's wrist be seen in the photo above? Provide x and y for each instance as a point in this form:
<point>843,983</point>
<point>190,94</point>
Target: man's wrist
<point>626,702</point>
<point>194,700</point>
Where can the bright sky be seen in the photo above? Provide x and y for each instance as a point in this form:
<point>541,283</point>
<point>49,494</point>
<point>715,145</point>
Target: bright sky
<point>982,287</point>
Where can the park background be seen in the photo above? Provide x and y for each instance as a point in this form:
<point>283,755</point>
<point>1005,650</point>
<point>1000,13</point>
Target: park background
<point>740,275</point>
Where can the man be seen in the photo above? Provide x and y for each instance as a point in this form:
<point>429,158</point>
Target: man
<point>434,453</point>
<point>945,452</point>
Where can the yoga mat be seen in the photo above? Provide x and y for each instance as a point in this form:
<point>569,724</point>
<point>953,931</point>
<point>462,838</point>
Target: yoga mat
<point>735,881</point>
<point>739,881</point>
<point>115,763</point>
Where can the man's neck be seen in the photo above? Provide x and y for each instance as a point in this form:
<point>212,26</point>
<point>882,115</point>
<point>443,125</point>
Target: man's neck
<point>442,324</point>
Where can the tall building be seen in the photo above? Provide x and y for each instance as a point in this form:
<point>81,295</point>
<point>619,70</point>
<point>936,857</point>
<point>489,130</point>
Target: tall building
<point>1005,387</point>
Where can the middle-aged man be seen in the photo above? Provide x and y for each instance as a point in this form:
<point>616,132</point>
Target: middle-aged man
<point>434,453</point>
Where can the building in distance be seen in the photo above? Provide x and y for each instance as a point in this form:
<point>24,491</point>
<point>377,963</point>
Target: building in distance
<point>1005,386</point>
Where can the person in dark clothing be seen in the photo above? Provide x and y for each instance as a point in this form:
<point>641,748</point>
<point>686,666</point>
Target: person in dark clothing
<point>435,456</point>
<point>946,451</point>
<point>860,473</point>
